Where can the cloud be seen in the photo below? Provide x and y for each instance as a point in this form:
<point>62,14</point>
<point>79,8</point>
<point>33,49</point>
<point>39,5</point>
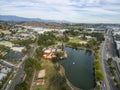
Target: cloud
<point>71,10</point>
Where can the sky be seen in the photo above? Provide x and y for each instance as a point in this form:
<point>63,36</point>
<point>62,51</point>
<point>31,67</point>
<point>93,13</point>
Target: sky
<point>79,11</point>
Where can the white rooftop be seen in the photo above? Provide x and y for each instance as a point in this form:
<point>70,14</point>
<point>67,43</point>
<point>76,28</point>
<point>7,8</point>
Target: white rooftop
<point>6,43</point>
<point>116,33</point>
<point>2,75</point>
<point>41,73</point>
<point>118,44</point>
<point>5,70</point>
<point>18,49</point>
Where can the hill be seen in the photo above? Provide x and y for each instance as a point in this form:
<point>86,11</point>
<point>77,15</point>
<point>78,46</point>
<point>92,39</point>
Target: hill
<point>44,25</point>
<point>23,19</point>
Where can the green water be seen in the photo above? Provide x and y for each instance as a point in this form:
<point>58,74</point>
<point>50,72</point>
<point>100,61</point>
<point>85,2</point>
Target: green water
<point>79,68</point>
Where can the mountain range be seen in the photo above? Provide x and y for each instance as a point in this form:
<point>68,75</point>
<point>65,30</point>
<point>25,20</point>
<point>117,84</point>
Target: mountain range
<point>23,19</point>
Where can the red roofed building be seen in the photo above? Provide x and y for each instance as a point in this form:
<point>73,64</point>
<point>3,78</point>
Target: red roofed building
<point>49,54</point>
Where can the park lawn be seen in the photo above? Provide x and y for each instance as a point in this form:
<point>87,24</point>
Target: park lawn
<point>50,73</point>
<point>76,40</point>
<point>73,40</point>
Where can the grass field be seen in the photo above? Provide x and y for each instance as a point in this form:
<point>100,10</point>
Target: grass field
<point>53,80</point>
<point>76,40</point>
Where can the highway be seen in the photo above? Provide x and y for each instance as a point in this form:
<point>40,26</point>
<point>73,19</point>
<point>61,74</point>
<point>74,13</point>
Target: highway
<point>108,83</point>
<point>112,45</point>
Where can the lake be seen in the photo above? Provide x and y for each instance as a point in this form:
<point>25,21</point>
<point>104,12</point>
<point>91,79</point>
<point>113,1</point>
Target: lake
<point>79,68</point>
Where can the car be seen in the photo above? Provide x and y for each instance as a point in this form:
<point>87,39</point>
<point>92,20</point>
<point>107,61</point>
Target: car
<point>10,82</point>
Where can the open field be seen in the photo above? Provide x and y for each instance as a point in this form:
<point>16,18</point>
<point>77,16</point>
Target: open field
<point>76,40</point>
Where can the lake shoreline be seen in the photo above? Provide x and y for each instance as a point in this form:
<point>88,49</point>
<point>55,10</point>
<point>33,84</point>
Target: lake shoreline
<point>64,71</point>
<point>72,87</point>
<point>79,48</point>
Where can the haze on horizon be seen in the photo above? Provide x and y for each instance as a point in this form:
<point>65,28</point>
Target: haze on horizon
<point>80,11</point>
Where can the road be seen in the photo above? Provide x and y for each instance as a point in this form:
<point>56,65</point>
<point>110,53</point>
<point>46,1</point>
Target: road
<point>17,78</point>
<point>112,48</point>
<point>33,80</point>
<point>20,71</point>
<point>10,65</point>
<point>35,46</point>
<point>5,85</point>
<point>108,83</point>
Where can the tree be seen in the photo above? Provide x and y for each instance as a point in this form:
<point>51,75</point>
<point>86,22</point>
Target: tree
<point>62,47</point>
<point>46,39</point>
<point>59,54</point>
<point>39,52</point>
<point>97,64</point>
<point>21,86</point>
<point>99,76</point>
<point>66,38</point>
<point>97,56</point>
<point>109,59</point>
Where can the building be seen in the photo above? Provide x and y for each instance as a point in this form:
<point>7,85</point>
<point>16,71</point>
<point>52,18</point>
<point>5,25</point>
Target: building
<point>49,54</point>
<point>6,43</point>
<point>95,30</point>
<point>83,42</point>
<point>2,75</point>
<point>40,77</point>
<point>89,30</point>
<point>99,30</point>
<point>13,57</point>
<point>18,49</point>
<point>118,46</point>
<point>6,32</point>
<point>3,72</point>
<point>116,32</point>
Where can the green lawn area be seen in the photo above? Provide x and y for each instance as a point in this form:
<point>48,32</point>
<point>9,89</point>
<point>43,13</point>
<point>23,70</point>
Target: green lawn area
<point>48,66</point>
<point>52,79</point>
<point>75,40</point>
<point>40,87</point>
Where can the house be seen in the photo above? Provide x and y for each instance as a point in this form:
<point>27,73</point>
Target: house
<point>3,72</point>
<point>2,53</point>
<point>6,32</point>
